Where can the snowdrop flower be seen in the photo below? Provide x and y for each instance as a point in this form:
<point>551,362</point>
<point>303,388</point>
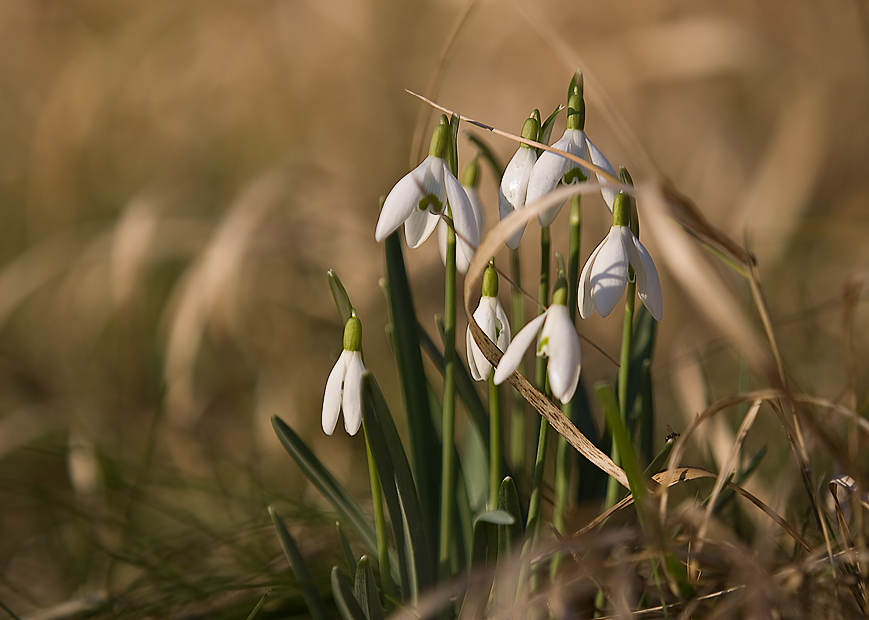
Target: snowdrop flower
<point>344,386</point>
<point>552,168</point>
<point>514,183</point>
<point>558,341</point>
<point>463,251</point>
<point>419,198</point>
<point>491,318</point>
<point>606,273</point>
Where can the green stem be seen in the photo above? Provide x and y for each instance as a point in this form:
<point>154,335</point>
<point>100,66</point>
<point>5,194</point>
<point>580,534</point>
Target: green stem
<point>543,298</point>
<point>532,529</point>
<point>517,419</point>
<point>448,471</point>
<point>379,524</point>
<point>494,443</point>
<point>562,450</point>
<point>614,489</point>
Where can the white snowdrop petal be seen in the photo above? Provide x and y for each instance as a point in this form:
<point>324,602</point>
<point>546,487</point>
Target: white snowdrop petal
<point>419,226</point>
<point>352,402</point>
<point>514,187</point>
<point>503,324</point>
<point>601,161</point>
<point>471,347</point>
<point>464,218</point>
<point>517,348</point>
<point>609,274</point>
<point>551,168</point>
<point>401,201</point>
<point>584,300</point>
<point>564,353</point>
<point>648,282</point>
<point>333,396</point>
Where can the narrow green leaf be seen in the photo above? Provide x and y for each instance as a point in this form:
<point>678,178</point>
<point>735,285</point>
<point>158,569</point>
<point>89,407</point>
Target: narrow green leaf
<point>339,294</point>
<point>342,592</point>
<point>488,155</point>
<point>548,124</point>
<point>291,550</point>
<point>497,517</point>
<point>392,463</point>
<point>345,546</point>
<point>660,461</point>
<point>485,547</point>
<point>644,406</point>
<point>406,576</point>
<point>509,535</point>
<point>258,606</point>
<point>424,445</point>
<point>607,397</point>
<point>366,590</point>
<point>642,349</point>
<point>592,480</point>
<point>326,483</point>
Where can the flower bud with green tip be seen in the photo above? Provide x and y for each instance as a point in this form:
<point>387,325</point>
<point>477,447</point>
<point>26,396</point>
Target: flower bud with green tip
<point>344,386</point>
<point>420,197</point>
<point>605,275</point>
<point>558,341</point>
<point>469,178</point>
<point>552,168</point>
<point>514,183</point>
<point>492,319</point>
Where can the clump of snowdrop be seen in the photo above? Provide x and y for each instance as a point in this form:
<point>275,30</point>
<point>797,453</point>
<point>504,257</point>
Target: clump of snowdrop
<point>514,183</point>
<point>552,168</point>
<point>617,259</point>
<point>464,252</point>
<point>344,386</point>
<point>424,194</point>
<point>492,319</point>
<point>558,341</point>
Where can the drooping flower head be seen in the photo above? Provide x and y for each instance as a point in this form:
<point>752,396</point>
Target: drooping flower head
<point>426,192</point>
<point>492,319</point>
<point>558,341</point>
<point>344,386</point>
<point>464,252</point>
<point>514,183</point>
<point>617,259</point>
<point>552,168</point>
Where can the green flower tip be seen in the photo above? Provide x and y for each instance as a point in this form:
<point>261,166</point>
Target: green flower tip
<point>575,111</point>
<point>625,176</point>
<point>577,84</point>
<point>535,114</point>
<point>353,333</point>
<point>490,282</point>
<point>559,295</point>
<point>440,139</point>
<point>622,210</point>
<point>531,130</point>
<point>471,173</point>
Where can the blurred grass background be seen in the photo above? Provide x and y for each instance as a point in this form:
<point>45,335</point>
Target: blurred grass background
<point>176,178</point>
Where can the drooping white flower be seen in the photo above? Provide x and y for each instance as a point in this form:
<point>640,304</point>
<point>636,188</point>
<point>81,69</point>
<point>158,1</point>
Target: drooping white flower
<point>514,183</point>
<point>558,341</point>
<point>418,199</point>
<point>605,275</point>
<point>551,169</point>
<point>464,252</point>
<point>492,319</point>
<point>344,386</point>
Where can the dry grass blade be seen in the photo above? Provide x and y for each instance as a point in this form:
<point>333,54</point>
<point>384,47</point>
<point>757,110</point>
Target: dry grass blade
<point>728,466</point>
